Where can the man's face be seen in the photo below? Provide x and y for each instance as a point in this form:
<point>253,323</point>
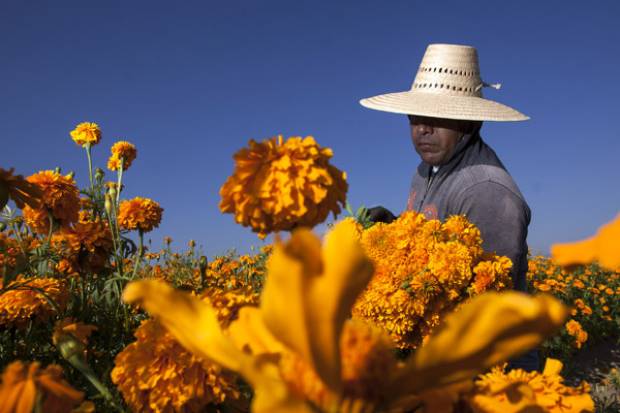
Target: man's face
<point>434,138</point>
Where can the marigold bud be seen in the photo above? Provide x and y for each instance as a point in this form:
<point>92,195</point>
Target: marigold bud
<point>108,204</point>
<point>99,174</point>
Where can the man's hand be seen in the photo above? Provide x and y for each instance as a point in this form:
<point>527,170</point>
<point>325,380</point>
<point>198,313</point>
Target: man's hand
<point>380,214</point>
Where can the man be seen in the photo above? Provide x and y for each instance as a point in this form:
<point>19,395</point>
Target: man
<point>459,173</point>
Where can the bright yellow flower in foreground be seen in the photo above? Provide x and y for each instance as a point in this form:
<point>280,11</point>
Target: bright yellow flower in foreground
<point>139,213</point>
<point>279,186</point>
<point>122,150</point>
<point>60,197</point>
<point>18,189</point>
<point>86,132</point>
<point>520,391</point>
<point>22,384</point>
<point>18,306</point>
<point>308,294</point>
<point>156,374</point>
<point>603,247</point>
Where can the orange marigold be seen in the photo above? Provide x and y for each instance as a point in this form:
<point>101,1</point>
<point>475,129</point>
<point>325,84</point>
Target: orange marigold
<point>156,374</point>
<point>86,133</point>
<point>424,269</point>
<point>18,189</point>
<point>518,390</point>
<point>142,214</point>
<point>60,197</point>
<point>87,245</point>
<point>22,302</point>
<point>574,329</point>
<point>277,186</point>
<point>24,384</point>
<point>69,327</point>
<point>122,150</point>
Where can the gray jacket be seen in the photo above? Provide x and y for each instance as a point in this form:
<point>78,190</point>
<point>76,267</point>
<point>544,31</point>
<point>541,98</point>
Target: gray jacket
<point>476,184</point>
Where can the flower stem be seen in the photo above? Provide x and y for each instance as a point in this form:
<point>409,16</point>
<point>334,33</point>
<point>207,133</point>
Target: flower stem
<point>140,252</point>
<point>90,167</point>
<point>119,182</point>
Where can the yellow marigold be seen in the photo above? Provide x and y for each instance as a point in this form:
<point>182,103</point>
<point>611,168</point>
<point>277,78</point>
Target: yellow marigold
<point>574,329</point>
<point>156,374</point>
<point>87,245</point>
<point>520,391</point>
<point>60,197</point>
<point>18,189</point>
<point>86,133</point>
<point>142,214</point>
<point>424,269</point>
<point>278,186</point>
<point>367,361</point>
<point>23,384</point>
<point>24,302</point>
<point>122,150</point>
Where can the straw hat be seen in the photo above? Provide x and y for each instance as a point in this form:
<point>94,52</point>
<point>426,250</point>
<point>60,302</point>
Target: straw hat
<point>447,85</point>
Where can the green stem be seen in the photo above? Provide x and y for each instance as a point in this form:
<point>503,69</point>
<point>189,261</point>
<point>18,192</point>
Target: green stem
<point>140,251</point>
<point>90,167</point>
<point>119,182</point>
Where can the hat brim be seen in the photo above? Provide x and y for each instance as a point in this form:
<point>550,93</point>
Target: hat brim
<point>443,106</point>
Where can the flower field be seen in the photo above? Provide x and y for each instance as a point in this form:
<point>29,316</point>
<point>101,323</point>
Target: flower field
<point>411,316</point>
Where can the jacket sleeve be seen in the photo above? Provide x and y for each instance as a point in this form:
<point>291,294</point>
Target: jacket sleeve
<point>503,218</point>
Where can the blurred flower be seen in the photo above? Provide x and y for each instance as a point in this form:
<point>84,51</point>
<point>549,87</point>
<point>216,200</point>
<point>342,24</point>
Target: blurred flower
<point>574,329</point>
<point>520,391</point>
<point>122,150</point>
<point>278,186</point>
<point>18,189</point>
<point>604,247</point>
<point>86,133</point>
<point>24,384</point>
<point>76,329</point>
<point>305,303</point>
<point>139,213</point>
<point>156,374</point>
<point>60,197</point>
<point>24,302</point>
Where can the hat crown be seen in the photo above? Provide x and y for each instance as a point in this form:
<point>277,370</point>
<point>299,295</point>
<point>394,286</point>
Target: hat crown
<point>449,69</point>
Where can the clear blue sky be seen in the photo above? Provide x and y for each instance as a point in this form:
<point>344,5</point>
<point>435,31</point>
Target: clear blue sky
<point>189,82</point>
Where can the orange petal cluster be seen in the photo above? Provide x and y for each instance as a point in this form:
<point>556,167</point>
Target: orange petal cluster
<point>277,186</point>
<point>424,269</point>
<point>86,246</point>
<point>60,197</point>
<point>139,213</point>
<point>124,151</point>
<point>19,305</point>
<point>86,133</point>
<point>156,374</point>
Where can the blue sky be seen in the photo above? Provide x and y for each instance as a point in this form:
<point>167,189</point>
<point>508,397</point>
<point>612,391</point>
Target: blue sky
<point>190,82</point>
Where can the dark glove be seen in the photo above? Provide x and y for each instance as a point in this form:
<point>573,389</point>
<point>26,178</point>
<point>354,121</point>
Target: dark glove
<point>380,214</point>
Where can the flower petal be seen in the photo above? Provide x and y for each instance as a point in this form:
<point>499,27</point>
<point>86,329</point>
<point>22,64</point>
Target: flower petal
<point>485,331</point>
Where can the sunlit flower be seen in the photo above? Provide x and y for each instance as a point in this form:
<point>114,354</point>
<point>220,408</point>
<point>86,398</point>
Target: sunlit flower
<point>520,391</point>
<point>25,302</point>
<point>574,329</point>
<point>603,247</point>
<point>86,245</point>
<point>424,269</point>
<point>61,198</point>
<point>23,384</point>
<point>156,374</point>
<point>308,294</point>
<point>18,189</point>
<point>278,186</point>
<point>139,213</point>
<point>122,150</point>
<point>86,133</point>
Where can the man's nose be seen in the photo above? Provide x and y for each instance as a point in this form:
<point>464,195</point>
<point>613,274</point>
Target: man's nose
<point>423,129</point>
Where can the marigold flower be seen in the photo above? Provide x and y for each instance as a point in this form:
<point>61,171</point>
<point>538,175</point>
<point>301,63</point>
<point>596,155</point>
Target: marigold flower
<point>518,390</point>
<point>18,189</point>
<point>86,133</point>
<point>87,245</point>
<point>76,329</point>
<point>23,384</point>
<point>278,186</point>
<point>139,213</point>
<point>156,374</point>
<point>574,329</point>
<point>60,197</point>
<point>18,306</point>
<point>122,150</point>
<point>424,269</point>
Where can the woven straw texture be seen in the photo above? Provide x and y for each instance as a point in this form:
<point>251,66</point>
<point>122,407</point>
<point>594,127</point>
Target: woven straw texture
<point>447,85</point>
